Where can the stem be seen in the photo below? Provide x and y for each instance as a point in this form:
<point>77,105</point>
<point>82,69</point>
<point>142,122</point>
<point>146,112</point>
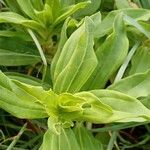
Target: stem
<point>126,62</point>
<point>13,143</point>
<point>112,140</point>
<point>40,51</point>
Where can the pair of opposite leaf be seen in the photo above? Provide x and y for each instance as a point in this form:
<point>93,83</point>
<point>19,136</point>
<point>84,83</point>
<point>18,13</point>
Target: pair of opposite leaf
<point>97,106</point>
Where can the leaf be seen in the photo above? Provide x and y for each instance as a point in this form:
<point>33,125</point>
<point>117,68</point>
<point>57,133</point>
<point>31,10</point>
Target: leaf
<point>65,3</point>
<point>18,102</point>
<point>13,6</point>
<point>124,107</point>
<point>137,85</point>
<point>89,9</point>
<point>111,55</point>
<point>45,16</point>
<point>142,54</point>
<point>146,101</point>
<point>9,58</point>
<point>73,70</point>
<point>86,140</point>
<point>66,140</point>
<point>56,7</point>
<point>14,53</point>
<point>122,4</point>
<point>106,25</point>
<point>145,4</point>
<point>96,19</point>
<point>27,79</point>
<point>15,34</point>
<point>37,4</point>
<point>134,23</point>
<point>27,8</point>
<point>14,18</point>
<point>63,39</point>
<point>69,11</point>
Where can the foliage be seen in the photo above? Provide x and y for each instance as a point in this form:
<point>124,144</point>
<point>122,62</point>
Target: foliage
<point>75,65</point>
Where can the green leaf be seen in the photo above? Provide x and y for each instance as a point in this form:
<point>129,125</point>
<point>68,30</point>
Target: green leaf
<point>111,55</point>
<point>69,11</point>
<point>145,4</point>
<point>27,8</point>
<point>66,140</point>
<point>142,54</point>
<point>65,3</point>
<point>18,102</point>
<point>73,70</point>
<point>14,18</point>
<point>106,25</point>
<point>56,7</point>
<point>9,58</point>
<point>63,39</point>
<point>137,85</point>
<point>134,23</point>
<point>146,101</point>
<point>14,53</point>
<point>37,4</point>
<point>45,16</point>
<point>122,4</point>
<point>86,140</point>
<point>13,6</point>
<point>96,19</point>
<point>124,108</point>
<point>27,79</point>
<point>15,34</point>
<point>89,9</point>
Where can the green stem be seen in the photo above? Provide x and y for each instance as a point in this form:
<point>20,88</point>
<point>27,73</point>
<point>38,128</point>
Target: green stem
<point>40,51</point>
<point>112,140</point>
<point>126,62</point>
<point>13,143</point>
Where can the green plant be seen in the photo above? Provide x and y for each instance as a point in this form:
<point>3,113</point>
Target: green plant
<point>92,79</point>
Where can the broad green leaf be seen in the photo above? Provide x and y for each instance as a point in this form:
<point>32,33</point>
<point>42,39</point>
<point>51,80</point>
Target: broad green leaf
<point>9,58</point>
<point>27,79</point>
<point>69,11</point>
<point>13,6</point>
<point>96,19</point>
<point>63,39</point>
<point>37,4</point>
<point>110,54</point>
<point>14,53</point>
<point>66,140</point>
<point>142,54</point>
<point>18,102</point>
<point>137,85</point>
<point>103,137</point>
<point>106,25</point>
<point>134,23</point>
<point>14,18</point>
<point>146,101</point>
<point>56,7</point>
<point>86,140</point>
<point>93,105</point>
<point>15,34</point>
<point>89,9</point>
<point>145,4</point>
<point>124,107</point>
<point>73,70</point>
<point>45,16</point>
<point>122,4</point>
<point>27,8</point>
<point>65,3</point>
